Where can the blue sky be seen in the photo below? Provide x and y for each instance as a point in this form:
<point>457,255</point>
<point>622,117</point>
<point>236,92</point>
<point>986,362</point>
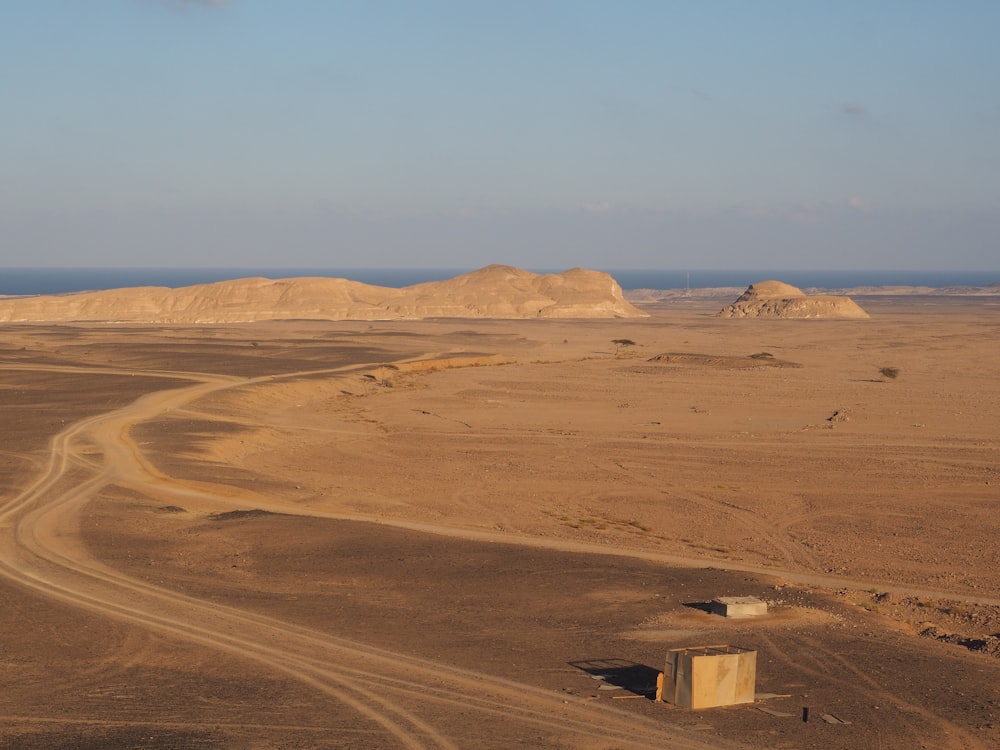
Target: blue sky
<point>544,134</point>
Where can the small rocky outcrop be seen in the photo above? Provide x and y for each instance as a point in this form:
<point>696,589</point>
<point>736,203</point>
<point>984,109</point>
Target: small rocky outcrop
<point>773,299</point>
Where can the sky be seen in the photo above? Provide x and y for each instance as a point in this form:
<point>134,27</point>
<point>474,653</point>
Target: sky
<point>709,134</point>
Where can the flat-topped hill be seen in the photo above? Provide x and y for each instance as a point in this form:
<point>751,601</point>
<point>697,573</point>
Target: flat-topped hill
<point>774,299</point>
<point>492,292</point>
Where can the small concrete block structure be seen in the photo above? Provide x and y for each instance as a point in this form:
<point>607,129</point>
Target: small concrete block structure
<point>738,606</point>
<point>709,676</point>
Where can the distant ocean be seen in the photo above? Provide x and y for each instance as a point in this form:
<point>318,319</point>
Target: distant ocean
<point>21,281</point>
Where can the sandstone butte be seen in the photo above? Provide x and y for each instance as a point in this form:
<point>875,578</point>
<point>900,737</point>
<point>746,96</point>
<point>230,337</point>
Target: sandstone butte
<point>773,299</point>
<point>495,291</point>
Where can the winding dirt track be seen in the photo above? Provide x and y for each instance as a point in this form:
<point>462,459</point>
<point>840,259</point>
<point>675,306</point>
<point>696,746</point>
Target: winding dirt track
<point>41,548</point>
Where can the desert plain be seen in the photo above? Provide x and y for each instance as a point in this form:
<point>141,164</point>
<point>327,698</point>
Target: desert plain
<point>487,533</point>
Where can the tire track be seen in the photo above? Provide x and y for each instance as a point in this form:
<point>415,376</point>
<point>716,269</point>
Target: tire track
<point>44,556</point>
<point>854,680</point>
<point>40,548</point>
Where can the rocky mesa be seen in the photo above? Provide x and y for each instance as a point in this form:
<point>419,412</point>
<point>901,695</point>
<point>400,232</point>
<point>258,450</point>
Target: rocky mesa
<point>773,299</point>
<point>495,291</point>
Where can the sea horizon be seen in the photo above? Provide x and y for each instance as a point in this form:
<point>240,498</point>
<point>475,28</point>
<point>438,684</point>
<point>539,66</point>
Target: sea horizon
<point>29,281</point>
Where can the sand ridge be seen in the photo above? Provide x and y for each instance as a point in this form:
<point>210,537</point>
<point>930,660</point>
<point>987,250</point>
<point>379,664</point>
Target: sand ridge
<point>492,292</point>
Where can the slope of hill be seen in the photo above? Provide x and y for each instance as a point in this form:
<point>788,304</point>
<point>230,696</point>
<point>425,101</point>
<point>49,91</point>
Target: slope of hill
<point>773,299</point>
<point>492,292</point>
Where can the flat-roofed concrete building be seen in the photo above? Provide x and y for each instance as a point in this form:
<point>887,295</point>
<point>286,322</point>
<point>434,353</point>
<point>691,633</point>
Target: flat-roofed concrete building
<point>738,606</point>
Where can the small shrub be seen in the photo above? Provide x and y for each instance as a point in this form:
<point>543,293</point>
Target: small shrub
<point>621,344</point>
<point>383,374</point>
<point>889,372</point>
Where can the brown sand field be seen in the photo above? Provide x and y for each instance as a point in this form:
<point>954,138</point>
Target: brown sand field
<point>486,533</point>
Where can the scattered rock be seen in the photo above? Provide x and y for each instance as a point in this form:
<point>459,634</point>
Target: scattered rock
<point>721,361</point>
<point>773,299</point>
<point>234,515</point>
<point>989,645</point>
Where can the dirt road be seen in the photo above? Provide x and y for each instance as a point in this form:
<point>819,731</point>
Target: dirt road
<point>40,548</point>
<point>433,554</point>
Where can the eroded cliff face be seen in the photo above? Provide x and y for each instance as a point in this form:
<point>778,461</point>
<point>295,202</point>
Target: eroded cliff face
<point>491,292</point>
<point>773,299</point>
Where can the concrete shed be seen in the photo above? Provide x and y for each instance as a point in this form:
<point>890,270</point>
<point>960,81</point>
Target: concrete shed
<point>709,676</point>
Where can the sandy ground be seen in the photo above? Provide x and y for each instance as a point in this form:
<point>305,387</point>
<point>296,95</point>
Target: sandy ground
<point>448,534</point>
